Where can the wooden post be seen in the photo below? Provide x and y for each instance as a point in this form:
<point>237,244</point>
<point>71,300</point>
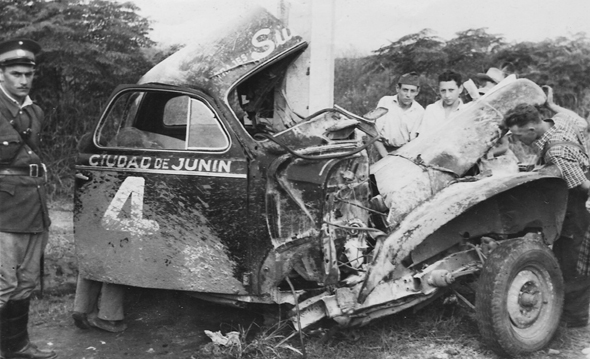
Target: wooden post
<point>309,84</point>
<point>321,82</point>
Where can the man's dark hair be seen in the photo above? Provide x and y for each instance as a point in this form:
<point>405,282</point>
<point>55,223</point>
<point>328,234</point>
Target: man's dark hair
<point>521,115</point>
<point>450,76</point>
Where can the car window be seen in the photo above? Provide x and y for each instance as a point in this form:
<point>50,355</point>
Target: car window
<point>205,130</point>
<point>120,116</point>
<point>161,120</point>
<point>176,111</point>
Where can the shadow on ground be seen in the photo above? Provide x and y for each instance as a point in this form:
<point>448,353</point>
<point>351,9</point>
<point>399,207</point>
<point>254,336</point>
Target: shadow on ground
<point>160,323</point>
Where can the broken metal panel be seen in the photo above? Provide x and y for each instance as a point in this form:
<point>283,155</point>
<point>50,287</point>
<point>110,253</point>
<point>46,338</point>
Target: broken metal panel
<point>316,131</point>
<point>536,205</point>
<point>303,187</point>
<point>333,194</point>
<point>429,163</point>
<point>343,307</point>
<point>390,309</point>
<point>434,213</point>
<point>540,205</point>
<point>389,297</point>
<point>248,41</point>
<point>281,261</point>
<point>481,219</point>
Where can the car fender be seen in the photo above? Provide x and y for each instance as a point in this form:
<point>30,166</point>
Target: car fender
<point>497,197</point>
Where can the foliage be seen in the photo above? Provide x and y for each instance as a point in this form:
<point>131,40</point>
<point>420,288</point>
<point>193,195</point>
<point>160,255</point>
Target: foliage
<point>89,47</point>
<point>359,90</point>
<point>470,52</point>
<point>420,52</point>
<point>562,63</point>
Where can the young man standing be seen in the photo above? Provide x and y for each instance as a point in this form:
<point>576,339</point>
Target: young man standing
<point>445,109</point>
<point>561,141</point>
<point>24,219</point>
<point>400,124</point>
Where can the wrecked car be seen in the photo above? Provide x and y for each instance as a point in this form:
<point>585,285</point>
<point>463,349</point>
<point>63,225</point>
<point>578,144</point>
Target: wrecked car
<point>201,178</point>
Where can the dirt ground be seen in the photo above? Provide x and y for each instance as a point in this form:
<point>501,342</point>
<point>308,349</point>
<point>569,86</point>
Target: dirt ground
<point>160,323</point>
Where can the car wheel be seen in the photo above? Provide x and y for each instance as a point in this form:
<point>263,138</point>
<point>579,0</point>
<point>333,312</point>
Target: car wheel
<point>519,297</point>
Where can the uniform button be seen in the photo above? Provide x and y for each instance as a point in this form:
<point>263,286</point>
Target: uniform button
<point>5,143</point>
<point>30,152</point>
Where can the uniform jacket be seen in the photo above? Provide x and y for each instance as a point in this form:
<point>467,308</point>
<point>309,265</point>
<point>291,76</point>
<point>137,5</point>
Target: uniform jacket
<point>23,203</point>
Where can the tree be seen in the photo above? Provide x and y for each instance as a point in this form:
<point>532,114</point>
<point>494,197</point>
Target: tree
<point>420,52</point>
<point>355,89</point>
<point>561,63</point>
<point>89,47</point>
<point>471,51</point>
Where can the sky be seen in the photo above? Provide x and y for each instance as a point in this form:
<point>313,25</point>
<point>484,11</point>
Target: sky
<point>362,26</point>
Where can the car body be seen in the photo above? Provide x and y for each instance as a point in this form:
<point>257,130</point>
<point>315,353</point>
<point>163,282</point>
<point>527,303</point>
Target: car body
<point>201,178</point>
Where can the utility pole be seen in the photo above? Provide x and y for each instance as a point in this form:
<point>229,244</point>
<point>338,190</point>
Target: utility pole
<point>321,81</point>
<point>310,81</point>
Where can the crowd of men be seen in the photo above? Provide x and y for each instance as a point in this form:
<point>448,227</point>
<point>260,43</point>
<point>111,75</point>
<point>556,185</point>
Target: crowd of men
<point>24,219</point>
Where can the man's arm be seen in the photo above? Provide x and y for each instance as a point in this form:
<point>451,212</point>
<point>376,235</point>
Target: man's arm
<point>380,128</point>
<point>570,169</point>
<point>381,149</point>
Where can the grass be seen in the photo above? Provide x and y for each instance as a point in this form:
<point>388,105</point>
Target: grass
<point>437,331</point>
<point>50,308</point>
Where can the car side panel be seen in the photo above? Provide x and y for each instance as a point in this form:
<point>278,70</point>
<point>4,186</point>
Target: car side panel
<point>163,227</point>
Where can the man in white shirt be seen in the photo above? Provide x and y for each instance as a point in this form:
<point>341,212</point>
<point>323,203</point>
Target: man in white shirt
<point>438,113</point>
<point>401,123</point>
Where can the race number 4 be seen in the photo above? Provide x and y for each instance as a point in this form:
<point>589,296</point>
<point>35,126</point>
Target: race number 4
<point>113,220</point>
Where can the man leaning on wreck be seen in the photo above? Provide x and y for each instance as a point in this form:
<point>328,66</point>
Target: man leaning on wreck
<point>561,141</point>
<point>400,124</point>
<point>24,220</point>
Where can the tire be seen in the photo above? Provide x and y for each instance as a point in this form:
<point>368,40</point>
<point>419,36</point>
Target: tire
<point>519,298</point>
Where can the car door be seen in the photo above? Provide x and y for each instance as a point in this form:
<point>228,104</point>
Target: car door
<point>161,195</point>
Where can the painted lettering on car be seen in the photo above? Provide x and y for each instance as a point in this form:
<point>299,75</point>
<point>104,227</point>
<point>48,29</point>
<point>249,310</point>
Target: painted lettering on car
<point>155,163</point>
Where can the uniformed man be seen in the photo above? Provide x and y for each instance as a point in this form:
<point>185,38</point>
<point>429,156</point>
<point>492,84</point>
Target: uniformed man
<point>24,220</point>
<point>561,141</point>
